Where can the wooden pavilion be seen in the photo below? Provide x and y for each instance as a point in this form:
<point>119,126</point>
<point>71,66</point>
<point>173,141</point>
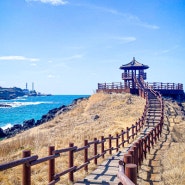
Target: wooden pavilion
<point>133,78</point>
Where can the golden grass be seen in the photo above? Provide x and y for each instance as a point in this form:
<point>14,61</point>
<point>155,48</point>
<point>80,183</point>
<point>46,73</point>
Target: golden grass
<point>174,159</point>
<point>174,165</point>
<point>115,112</point>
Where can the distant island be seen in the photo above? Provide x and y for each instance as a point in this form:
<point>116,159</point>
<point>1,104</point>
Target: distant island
<point>14,92</point>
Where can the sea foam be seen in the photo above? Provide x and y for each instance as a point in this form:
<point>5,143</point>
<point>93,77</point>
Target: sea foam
<point>9,125</point>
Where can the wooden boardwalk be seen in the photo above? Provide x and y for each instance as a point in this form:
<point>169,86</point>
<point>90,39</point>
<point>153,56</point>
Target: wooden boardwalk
<point>106,173</point>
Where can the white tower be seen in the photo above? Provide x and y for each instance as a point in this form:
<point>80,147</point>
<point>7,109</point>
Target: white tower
<point>32,86</point>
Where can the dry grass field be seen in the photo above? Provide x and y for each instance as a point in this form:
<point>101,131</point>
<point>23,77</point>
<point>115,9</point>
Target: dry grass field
<point>173,161</point>
<point>165,164</point>
<point>115,111</point>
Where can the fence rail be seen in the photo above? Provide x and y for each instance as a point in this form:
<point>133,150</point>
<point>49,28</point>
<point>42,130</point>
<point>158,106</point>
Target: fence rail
<point>113,85</point>
<point>99,148</point>
<point>138,150</point>
<point>165,86</point>
<point>130,75</point>
<point>154,85</point>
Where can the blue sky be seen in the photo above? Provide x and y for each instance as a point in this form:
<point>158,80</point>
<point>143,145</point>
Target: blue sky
<point>68,46</point>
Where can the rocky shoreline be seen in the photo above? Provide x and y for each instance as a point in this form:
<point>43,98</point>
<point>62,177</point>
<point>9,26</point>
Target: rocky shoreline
<point>18,128</point>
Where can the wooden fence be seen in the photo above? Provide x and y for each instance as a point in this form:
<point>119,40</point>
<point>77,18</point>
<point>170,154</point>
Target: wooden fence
<point>129,165</point>
<point>113,85</point>
<point>164,86</point>
<point>113,143</point>
<point>137,151</point>
<point>154,85</point>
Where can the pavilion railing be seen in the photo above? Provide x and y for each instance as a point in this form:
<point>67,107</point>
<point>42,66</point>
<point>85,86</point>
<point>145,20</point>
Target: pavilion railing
<point>164,86</point>
<point>128,75</point>
<point>154,85</point>
<point>113,85</point>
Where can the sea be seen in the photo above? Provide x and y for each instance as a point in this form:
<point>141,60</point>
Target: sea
<point>28,107</point>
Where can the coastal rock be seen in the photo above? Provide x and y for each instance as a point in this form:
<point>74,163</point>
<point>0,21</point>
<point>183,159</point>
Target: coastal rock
<point>96,117</point>
<point>10,93</point>
<point>16,127</point>
<point>28,123</point>
<point>75,101</point>
<point>10,132</point>
<point>4,105</point>
<point>2,134</point>
<point>63,109</point>
<point>13,130</point>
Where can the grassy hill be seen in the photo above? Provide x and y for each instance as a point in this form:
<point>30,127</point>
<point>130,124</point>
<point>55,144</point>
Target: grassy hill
<point>115,112</point>
<point>100,115</point>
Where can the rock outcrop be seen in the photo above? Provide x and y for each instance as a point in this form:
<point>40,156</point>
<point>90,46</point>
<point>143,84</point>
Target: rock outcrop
<point>10,93</point>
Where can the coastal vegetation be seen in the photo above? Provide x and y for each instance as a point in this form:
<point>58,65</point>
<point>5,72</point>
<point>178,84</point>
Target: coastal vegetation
<point>99,115</point>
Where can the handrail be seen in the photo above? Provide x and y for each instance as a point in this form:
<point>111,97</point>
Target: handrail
<point>143,146</point>
<point>121,175</point>
<point>139,149</point>
<point>113,85</point>
<point>153,85</point>
<point>165,86</point>
<point>123,137</point>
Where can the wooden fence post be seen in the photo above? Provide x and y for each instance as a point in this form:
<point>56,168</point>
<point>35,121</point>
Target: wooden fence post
<point>141,147</point>
<point>139,125</point>
<point>110,144</point>
<point>86,155</point>
<point>26,171</point>
<point>137,144</point>
<point>155,134</point>
<point>145,146</point>
<point>127,135</point>
<point>149,141</point>
<point>131,152</point>
<point>102,146</point>
<point>127,158</point>
<point>142,124</point>
<point>131,172</point>
<point>135,154</point>
<point>152,133</point>
<point>158,131</point>
<point>122,137</point>
<point>51,164</point>
<point>95,151</point>
<point>117,142</point>
<point>132,131</point>
<point>71,162</point>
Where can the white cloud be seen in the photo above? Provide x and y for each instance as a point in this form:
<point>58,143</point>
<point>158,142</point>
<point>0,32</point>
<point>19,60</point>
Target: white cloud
<point>73,57</point>
<point>51,76</point>
<point>19,58</point>
<point>137,21</point>
<point>52,2</point>
<point>167,51</point>
<point>33,64</point>
<point>170,49</point>
<point>127,17</point>
<point>125,39</point>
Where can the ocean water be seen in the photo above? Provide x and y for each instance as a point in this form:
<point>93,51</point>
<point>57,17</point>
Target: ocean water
<point>25,108</point>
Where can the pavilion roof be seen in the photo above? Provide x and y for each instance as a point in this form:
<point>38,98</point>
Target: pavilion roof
<point>134,65</point>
